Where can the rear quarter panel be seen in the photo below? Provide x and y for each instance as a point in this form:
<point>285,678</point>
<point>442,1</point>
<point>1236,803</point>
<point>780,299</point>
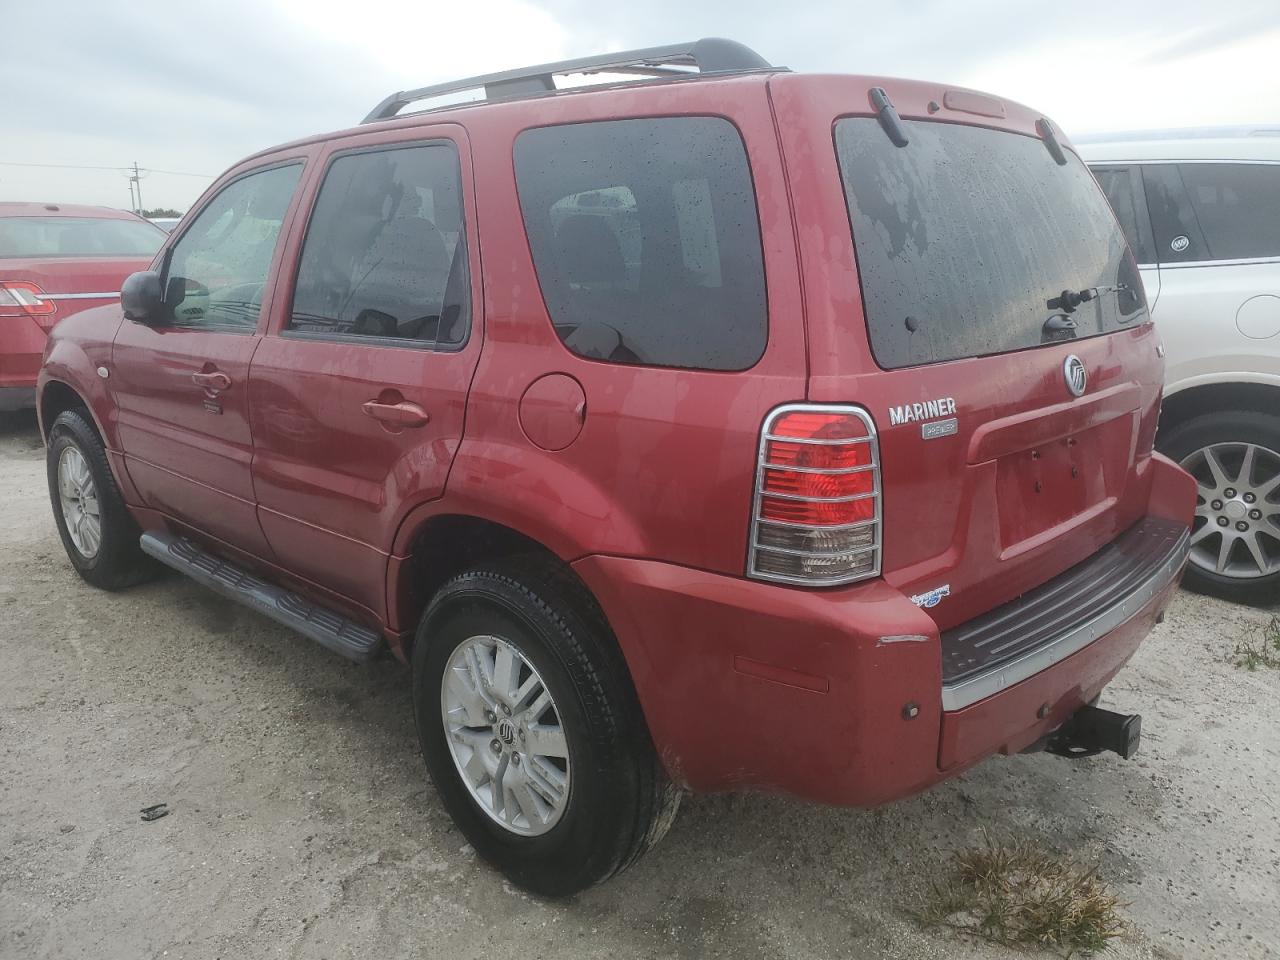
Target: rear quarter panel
<point>1208,338</point>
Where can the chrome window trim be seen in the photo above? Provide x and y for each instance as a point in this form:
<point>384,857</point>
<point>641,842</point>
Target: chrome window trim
<point>1245,261</point>
<point>960,695</point>
<point>1173,160</point>
<point>755,547</point>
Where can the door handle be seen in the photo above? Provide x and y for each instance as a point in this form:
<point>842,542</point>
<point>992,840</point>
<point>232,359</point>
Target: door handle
<point>217,380</point>
<point>401,414</point>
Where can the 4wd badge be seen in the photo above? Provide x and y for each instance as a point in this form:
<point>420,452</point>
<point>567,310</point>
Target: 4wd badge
<point>931,598</point>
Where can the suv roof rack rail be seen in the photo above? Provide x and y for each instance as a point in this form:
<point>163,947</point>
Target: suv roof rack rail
<point>709,55</point>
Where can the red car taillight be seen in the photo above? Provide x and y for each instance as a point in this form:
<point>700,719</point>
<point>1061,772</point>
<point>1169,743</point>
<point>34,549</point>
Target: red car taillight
<point>817,500</point>
<point>18,298</point>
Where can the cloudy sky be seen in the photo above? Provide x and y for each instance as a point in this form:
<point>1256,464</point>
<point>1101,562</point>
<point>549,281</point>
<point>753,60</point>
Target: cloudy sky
<point>190,88</point>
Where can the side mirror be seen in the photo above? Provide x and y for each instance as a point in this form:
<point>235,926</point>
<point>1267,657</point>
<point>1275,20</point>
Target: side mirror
<point>142,298</point>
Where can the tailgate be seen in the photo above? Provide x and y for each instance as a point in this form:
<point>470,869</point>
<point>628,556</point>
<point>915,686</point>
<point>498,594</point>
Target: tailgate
<point>1015,423</point>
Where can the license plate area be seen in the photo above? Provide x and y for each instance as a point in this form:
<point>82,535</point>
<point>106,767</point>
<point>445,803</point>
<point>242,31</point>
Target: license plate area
<point>1053,482</point>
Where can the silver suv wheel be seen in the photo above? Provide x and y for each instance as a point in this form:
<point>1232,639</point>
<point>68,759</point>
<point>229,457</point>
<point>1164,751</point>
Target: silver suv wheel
<point>505,736</point>
<point>1237,509</point>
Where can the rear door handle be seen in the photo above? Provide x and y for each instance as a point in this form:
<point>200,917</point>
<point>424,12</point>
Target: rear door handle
<point>217,380</point>
<point>402,414</point>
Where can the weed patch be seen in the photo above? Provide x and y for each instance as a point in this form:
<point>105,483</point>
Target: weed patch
<point>1259,648</point>
<point>1019,894</point>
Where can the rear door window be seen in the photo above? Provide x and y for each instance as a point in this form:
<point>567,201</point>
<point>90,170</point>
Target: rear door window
<point>1123,189</point>
<point>1237,206</point>
<point>964,236</point>
<point>1173,219</point>
<point>646,240</point>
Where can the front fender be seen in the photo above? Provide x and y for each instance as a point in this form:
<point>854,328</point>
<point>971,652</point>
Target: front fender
<point>76,349</point>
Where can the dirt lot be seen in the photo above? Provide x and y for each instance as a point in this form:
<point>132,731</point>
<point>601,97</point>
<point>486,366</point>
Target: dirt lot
<point>303,824</point>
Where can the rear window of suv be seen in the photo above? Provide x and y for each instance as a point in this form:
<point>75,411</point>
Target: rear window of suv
<point>78,237</point>
<point>646,241</point>
<point>963,237</point>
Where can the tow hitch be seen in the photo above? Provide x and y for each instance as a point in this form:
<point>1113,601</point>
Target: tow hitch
<point>1092,730</point>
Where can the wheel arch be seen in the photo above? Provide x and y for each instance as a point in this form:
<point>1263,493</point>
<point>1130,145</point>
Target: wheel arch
<point>443,545</point>
<point>57,397</point>
<point>1206,398</point>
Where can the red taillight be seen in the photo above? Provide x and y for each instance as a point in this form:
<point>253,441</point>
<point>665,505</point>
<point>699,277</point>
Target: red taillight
<point>817,497</point>
<point>18,298</point>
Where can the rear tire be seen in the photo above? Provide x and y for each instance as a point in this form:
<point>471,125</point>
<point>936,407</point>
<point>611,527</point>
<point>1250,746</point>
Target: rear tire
<point>1246,496</point>
<point>97,530</point>
<point>617,801</point>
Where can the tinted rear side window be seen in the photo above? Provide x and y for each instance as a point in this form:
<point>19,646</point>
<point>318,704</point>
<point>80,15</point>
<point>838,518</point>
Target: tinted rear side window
<point>1237,206</point>
<point>1172,218</point>
<point>646,241</point>
<point>1123,188</point>
<point>964,235</point>
<point>78,237</point>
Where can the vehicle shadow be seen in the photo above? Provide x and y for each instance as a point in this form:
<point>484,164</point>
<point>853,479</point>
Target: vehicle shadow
<point>19,434</point>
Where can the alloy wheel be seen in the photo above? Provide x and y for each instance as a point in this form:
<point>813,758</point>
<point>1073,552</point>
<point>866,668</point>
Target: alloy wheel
<point>78,497</point>
<point>1237,526</point>
<point>505,735</point>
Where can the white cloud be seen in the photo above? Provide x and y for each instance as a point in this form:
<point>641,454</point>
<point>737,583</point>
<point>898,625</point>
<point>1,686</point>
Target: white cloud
<point>196,86</point>
<point>1112,82</point>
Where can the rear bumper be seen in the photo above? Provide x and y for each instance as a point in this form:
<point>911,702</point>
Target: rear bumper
<point>836,695</point>
<point>1018,640</point>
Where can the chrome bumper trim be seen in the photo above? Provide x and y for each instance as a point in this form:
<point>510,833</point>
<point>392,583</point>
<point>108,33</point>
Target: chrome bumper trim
<point>80,296</point>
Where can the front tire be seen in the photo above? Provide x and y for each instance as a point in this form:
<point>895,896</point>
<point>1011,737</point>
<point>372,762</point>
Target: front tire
<point>97,531</point>
<point>531,729</point>
<point>1235,542</point>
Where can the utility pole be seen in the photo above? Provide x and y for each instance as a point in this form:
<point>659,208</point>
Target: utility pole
<point>136,181</point>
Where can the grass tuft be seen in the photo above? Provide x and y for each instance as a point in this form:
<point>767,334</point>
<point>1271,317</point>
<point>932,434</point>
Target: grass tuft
<point>1259,648</point>
<point>1019,894</point>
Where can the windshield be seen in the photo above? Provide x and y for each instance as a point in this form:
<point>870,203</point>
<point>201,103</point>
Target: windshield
<point>77,237</point>
<point>967,239</point>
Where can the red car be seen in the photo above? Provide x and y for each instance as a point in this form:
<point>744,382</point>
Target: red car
<point>56,260</point>
<point>721,430</point>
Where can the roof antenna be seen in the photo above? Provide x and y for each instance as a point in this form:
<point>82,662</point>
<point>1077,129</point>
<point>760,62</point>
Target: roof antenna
<point>888,116</point>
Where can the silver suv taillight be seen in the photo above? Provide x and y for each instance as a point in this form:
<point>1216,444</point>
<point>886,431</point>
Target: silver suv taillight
<point>816,519</point>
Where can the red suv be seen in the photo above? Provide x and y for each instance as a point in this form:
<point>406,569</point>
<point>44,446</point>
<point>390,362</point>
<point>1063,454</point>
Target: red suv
<point>56,260</point>
<point>724,429</point>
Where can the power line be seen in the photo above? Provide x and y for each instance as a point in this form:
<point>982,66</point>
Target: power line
<point>80,166</point>
<point>178,173</point>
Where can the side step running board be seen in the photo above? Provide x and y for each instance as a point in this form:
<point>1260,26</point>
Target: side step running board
<point>346,637</point>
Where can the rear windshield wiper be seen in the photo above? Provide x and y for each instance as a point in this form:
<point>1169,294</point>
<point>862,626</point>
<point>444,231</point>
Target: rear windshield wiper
<point>1068,300</point>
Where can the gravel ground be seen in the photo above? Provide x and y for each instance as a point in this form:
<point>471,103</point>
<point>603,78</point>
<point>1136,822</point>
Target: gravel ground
<point>303,823</point>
